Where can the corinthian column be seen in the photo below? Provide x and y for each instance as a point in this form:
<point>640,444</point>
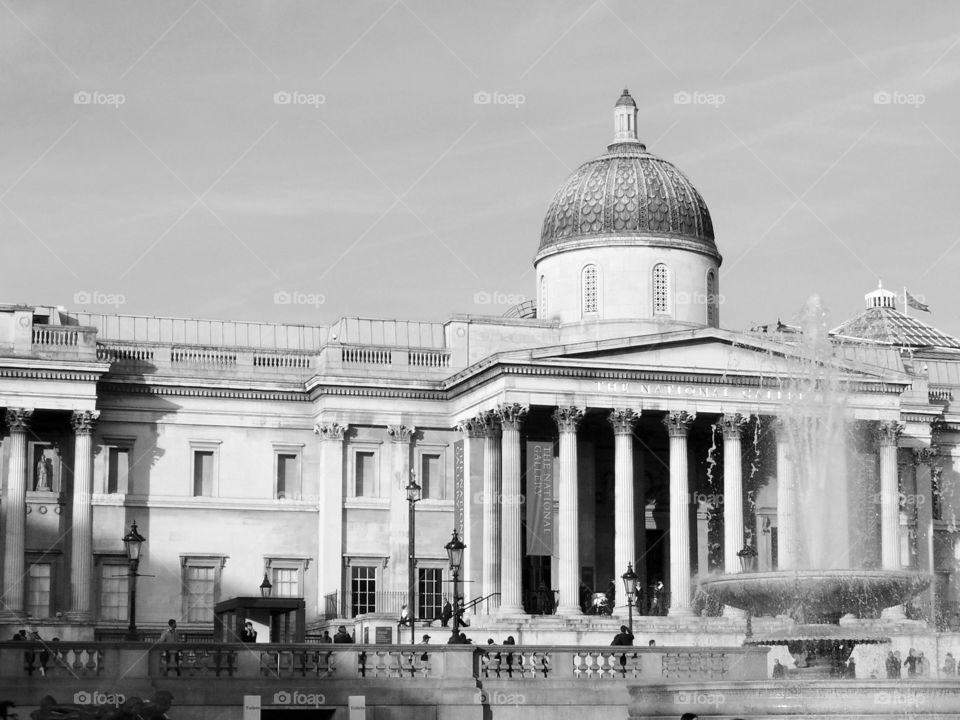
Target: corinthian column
<point>511,416</point>
<point>330,528</point>
<point>81,533</point>
<point>471,429</point>
<point>678,428</point>
<point>400,436</point>
<point>491,506</point>
<point>732,425</point>
<point>568,419</point>
<point>786,500</point>
<point>888,433</point>
<point>15,515</point>
<point>624,544</point>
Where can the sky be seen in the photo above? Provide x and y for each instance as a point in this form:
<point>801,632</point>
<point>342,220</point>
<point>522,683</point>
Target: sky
<point>299,161</point>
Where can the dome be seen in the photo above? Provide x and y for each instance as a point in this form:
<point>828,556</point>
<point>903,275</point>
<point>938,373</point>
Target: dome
<point>626,192</point>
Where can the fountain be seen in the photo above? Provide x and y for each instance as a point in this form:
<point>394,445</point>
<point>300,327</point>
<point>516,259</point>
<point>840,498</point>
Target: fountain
<point>823,572</point>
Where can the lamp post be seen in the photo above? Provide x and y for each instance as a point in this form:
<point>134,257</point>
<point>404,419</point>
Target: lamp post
<point>630,587</point>
<point>748,563</point>
<point>413,497</point>
<point>455,550</point>
<point>266,587</point>
<point>132,543</point>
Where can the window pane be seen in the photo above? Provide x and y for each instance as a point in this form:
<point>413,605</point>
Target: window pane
<point>200,591</point>
<point>117,470</point>
<point>38,590</point>
<point>661,289</point>
<point>286,582</point>
<point>589,281</point>
<point>286,476</point>
<point>365,474</point>
<point>429,592</point>
<point>113,592</point>
<point>203,473</point>
<point>363,590</point>
<point>430,479</point>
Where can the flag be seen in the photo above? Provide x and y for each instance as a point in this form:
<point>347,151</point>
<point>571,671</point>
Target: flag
<point>916,304</point>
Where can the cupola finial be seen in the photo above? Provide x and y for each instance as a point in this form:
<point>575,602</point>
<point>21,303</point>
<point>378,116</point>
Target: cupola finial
<point>625,119</point>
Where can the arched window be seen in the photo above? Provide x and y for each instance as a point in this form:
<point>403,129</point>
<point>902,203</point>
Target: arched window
<point>711,298</point>
<point>661,289</point>
<point>542,313</point>
<point>588,290</point>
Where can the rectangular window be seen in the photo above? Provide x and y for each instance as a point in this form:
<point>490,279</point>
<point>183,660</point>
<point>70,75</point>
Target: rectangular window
<point>200,587</point>
<point>286,582</point>
<point>429,592</point>
<point>363,590</point>
<point>365,474</point>
<point>118,469</point>
<point>288,475</point>
<point>113,592</point>
<point>38,590</point>
<point>431,476</point>
<point>203,473</point>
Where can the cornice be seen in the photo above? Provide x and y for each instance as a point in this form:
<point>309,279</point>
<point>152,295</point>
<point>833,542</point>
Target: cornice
<point>202,392</point>
<point>28,373</point>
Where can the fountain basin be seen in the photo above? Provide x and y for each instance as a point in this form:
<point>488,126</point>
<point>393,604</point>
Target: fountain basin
<point>815,596</point>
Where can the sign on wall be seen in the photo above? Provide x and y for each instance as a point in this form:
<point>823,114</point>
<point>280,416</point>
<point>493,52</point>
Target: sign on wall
<point>251,707</point>
<point>540,497</point>
<point>458,486</point>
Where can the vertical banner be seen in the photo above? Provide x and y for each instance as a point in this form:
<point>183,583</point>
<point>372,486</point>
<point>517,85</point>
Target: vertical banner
<point>358,707</point>
<point>251,707</point>
<point>459,501</point>
<point>539,497</point>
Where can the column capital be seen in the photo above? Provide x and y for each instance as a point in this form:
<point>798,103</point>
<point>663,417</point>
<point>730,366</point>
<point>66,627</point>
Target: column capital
<point>84,421</point>
<point>731,424</point>
<point>511,415</point>
<point>888,432</point>
<point>678,422</point>
<point>330,431</point>
<point>18,419</point>
<point>471,427</point>
<point>568,418</point>
<point>924,456</point>
<point>400,433</point>
<point>490,424</point>
<point>623,420</point>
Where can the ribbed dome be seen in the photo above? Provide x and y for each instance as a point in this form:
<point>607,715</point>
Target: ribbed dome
<point>626,192</point>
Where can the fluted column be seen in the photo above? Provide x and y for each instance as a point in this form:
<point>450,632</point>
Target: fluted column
<point>678,428</point>
<point>492,492</point>
<point>624,543</point>
<point>732,425</point>
<point>15,513</point>
<point>81,532</point>
<point>786,500</point>
<point>471,574</point>
<point>511,578</point>
<point>568,419</point>
<point>888,433</point>
<point>400,436</point>
<point>330,529</point>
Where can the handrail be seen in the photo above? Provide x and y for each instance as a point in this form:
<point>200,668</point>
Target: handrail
<point>476,601</point>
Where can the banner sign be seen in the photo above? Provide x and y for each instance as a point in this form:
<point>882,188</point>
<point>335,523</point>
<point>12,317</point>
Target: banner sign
<point>539,497</point>
<point>458,487</point>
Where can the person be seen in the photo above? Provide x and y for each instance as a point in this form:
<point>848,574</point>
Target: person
<point>44,655</point>
<point>325,638</point>
<point>157,708</point>
<point>652,643</point>
<point>949,665</point>
<point>779,670</point>
<point>891,664</point>
<point>446,613</point>
<point>342,637</point>
<point>658,599</point>
<point>688,716</point>
<point>248,634</point>
<point>911,663</point>
<point>624,637</point>
<point>923,668</point>
<point>405,618</point>
<point>425,641</point>
<point>170,636</point>
<point>490,641</point>
<point>19,636</point>
<point>898,669</point>
<point>851,670</point>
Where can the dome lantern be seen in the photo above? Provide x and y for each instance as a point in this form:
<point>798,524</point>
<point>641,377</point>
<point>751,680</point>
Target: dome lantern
<point>625,120</point>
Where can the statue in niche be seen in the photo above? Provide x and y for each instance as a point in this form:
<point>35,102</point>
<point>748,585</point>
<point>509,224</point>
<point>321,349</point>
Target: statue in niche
<point>44,473</point>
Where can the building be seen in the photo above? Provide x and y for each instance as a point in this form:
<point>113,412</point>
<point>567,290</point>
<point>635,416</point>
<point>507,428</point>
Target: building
<point>599,427</point>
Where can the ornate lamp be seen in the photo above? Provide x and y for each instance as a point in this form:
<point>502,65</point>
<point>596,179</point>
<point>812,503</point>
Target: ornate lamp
<point>265,587</point>
<point>630,579</point>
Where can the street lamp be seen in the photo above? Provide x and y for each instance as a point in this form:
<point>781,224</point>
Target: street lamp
<point>265,587</point>
<point>748,559</point>
<point>413,497</point>
<point>630,588</point>
<point>455,550</point>
<point>132,542</point>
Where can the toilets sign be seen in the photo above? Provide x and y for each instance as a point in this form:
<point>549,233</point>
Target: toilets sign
<point>682,390</point>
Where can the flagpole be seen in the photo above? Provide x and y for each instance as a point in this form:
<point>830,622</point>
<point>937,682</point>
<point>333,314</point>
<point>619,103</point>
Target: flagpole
<point>906,305</point>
